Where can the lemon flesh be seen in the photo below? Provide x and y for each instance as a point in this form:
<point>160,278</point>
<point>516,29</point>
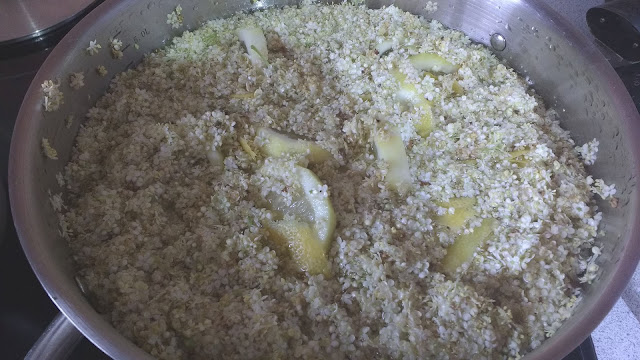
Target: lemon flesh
<point>432,62</point>
<point>518,157</point>
<point>425,123</point>
<point>302,243</point>
<point>463,248</point>
<point>324,218</point>
<point>408,92</point>
<point>309,204</point>
<point>463,212</point>
<point>307,221</point>
<point>457,88</point>
<point>390,149</point>
<point>256,44</point>
<point>277,144</point>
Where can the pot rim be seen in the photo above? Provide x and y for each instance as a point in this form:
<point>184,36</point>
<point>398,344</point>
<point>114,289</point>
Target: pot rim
<point>69,300</point>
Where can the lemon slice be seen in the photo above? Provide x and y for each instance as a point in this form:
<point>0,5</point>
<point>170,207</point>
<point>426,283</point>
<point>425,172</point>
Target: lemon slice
<point>390,149</point>
<point>518,157</point>
<point>324,218</point>
<point>463,212</point>
<point>432,62</point>
<point>519,153</point>
<point>277,144</point>
<point>309,202</point>
<point>464,246</point>
<point>255,43</point>
<point>425,123</point>
<point>307,219</point>
<point>302,243</point>
<point>457,88</point>
<point>409,93</point>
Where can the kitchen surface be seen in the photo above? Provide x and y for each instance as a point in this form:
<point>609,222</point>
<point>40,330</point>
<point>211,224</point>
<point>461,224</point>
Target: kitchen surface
<point>26,310</point>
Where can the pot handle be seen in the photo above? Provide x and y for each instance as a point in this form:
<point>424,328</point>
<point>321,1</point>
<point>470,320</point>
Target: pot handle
<point>617,25</point>
<point>57,342</point>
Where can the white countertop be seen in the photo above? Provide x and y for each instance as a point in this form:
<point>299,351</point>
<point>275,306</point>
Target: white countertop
<point>618,335</point>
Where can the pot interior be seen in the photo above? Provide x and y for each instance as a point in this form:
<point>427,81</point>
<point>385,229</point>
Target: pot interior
<point>563,68</point>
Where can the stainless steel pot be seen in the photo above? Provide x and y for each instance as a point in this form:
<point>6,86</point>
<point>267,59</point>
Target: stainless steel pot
<point>565,68</point>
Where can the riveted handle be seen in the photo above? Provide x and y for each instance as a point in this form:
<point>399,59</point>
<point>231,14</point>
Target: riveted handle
<point>617,25</point>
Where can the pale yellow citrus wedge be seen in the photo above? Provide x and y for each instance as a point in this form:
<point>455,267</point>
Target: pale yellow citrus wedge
<point>408,93</point>
<point>310,204</point>
<point>256,44</point>
<point>463,248</point>
<point>302,244</point>
<point>390,149</point>
<point>457,88</point>
<point>425,123</point>
<point>518,157</point>
<point>463,212</point>
<point>432,62</point>
<point>277,144</point>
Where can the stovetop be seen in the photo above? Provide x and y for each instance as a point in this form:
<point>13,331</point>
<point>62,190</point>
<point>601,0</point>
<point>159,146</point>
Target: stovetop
<point>25,308</point>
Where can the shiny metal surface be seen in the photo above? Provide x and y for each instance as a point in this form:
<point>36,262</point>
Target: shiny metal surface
<point>57,341</point>
<point>566,69</point>
<point>498,42</point>
<point>24,19</point>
